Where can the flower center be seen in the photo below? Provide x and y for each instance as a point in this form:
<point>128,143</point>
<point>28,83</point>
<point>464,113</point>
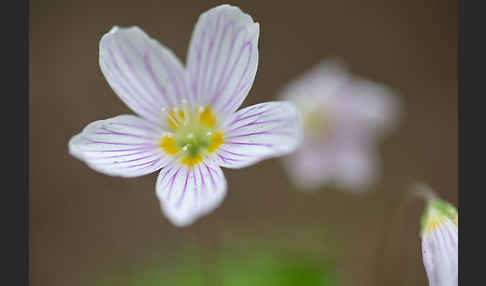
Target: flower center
<point>318,123</point>
<point>193,135</point>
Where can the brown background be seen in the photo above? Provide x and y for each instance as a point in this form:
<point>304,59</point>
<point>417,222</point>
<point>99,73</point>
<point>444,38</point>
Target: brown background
<point>82,221</point>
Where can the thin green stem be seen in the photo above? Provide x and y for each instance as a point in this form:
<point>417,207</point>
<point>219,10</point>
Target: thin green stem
<point>394,209</point>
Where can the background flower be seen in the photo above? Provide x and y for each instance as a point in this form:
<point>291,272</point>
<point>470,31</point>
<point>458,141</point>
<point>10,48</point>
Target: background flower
<point>345,117</point>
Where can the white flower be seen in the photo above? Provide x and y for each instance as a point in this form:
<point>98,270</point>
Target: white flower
<point>344,118</point>
<point>440,243</point>
<point>187,124</point>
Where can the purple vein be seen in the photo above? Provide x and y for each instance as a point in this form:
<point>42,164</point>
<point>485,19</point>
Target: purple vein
<point>183,193</point>
<point>218,52</point>
<point>203,183</point>
<point>128,82</point>
<point>147,128</point>
<point>111,132</point>
<point>135,71</point>
<point>209,56</point>
<point>228,56</point>
<point>225,82</point>
<point>160,87</point>
<point>236,95</point>
<point>249,144</point>
<point>125,94</point>
<point>171,180</point>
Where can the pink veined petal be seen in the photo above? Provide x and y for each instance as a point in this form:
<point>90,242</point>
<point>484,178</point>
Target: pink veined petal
<point>223,58</point>
<point>440,255</point>
<point>125,146</point>
<point>258,132</point>
<point>370,106</point>
<point>356,168</point>
<point>187,193</point>
<point>317,86</point>
<point>344,117</point>
<point>310,167</point>
<point>145,75</point>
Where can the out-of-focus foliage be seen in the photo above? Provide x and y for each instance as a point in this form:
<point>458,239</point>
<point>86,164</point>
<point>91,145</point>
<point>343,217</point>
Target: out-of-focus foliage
<point>253,268</point>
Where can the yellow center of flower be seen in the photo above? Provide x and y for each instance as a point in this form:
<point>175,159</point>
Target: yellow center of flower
<point>193,134</point>
<point>318,123</point>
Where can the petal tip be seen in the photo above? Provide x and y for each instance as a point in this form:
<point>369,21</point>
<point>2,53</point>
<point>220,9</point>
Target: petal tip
<point>183,200</point>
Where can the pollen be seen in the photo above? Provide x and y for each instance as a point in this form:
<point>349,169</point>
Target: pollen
<point>193,135</point>
<point>207,118</point>
<point>216,141</point>
<point>169,146</point>
<point>191,161</point>
<point>175,118</point>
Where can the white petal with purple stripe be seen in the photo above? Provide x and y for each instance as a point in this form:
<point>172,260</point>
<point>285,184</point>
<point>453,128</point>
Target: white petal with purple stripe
<point>223,58</point>
<point>145,74</point>
<point>125,146</point>
<point>186,193</point>
<point>258,132</point>
<point>440,254</point>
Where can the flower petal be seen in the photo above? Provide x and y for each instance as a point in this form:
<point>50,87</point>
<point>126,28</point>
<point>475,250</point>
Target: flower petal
<point>370,106</point>
<point>146,75</point>
<point>125,146</point>
<point>258,132</point>
<point>187,193</point>
<point>356,168</point>
<point>310,167</point>
<point>223,58</point>
<point>440,254</point>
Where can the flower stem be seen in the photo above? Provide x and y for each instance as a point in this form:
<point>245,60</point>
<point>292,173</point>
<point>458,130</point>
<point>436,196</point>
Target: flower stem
<point>393,212</point>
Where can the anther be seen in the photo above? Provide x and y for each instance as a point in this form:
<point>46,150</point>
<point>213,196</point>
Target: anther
<point>185,147</point>
<point>209,133</point>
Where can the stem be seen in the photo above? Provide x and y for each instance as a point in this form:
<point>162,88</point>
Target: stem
<point>391,215</point>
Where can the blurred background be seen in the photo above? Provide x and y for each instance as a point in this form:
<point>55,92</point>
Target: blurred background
<point>86,227</point>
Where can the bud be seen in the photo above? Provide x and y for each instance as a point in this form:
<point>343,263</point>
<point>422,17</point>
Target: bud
<point>439,232</point>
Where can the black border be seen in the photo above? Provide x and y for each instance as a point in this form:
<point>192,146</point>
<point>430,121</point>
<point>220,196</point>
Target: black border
<point>471,118</point>
<point>15,115</point>
<point>460,115</point>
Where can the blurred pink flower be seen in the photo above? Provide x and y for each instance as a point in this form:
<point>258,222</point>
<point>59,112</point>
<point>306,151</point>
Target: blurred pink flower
<point>344,117</point>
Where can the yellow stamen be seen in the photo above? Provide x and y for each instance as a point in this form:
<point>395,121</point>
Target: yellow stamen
<point>207,118</point>
<point>216,141</point>
<point>175,118</point>
<point>191,161</point>
<point>169,146</point>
